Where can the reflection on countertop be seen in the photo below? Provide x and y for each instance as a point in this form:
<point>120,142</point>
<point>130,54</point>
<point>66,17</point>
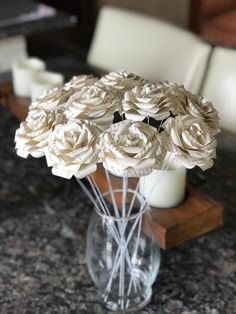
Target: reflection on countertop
<point>43,222</point>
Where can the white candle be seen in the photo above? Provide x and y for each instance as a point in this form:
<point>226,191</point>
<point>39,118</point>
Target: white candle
<point>45,81</point>
<point>164,189</point>
<point>23,72</point>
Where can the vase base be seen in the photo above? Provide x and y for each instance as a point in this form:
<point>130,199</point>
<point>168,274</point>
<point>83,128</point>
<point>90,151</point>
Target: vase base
<point>128,304</point>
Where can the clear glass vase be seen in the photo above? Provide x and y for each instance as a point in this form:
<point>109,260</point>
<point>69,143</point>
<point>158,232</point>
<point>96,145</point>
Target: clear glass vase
<point>122,253</point>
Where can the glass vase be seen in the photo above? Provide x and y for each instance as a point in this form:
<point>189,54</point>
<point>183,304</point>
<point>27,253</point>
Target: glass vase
<point>123,257</point>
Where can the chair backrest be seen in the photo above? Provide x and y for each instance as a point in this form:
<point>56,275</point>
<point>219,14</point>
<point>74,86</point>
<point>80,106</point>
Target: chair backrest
<point>156,50</point>
<point>220,86</point>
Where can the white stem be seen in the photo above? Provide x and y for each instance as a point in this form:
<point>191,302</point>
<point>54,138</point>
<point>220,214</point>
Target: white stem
<point>159,126</point>
<point>124,191</point>
<point>111,193</point>
<point>110,227</point>
<point>113,231</point>
<point>106,210</point>
<point>98,193</point>
<point>123,228</point>
<point>86,191</point>
<point>122,272</point>
<point>133,198</point>
<point>134,257</point>
<point>118,215</point>
<point>123,249</point>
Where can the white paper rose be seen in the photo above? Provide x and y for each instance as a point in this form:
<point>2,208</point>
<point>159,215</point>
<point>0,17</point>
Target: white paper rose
<point>198,106</point>
<point>120,81</point>
<point>74,149</point>
<point>77,82</point>
<point>129,148</point>
<point>32,136</point>
<point>175,95</point>
<point>54,99</point>
<point>191,141</point>
<point>150,100</point>
<point>94,104</point>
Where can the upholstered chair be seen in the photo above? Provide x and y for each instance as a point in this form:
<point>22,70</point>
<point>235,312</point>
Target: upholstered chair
<point>156,50</point>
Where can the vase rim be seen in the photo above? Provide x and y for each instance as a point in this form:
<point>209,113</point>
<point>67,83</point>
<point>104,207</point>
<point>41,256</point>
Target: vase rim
<point>144,206</point>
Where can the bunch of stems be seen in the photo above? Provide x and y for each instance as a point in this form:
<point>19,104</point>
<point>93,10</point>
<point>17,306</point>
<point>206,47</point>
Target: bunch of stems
<point>124,260</point>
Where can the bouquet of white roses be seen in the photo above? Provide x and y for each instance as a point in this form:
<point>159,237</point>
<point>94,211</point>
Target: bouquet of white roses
<point>74,128</point>
<point>131,127</point>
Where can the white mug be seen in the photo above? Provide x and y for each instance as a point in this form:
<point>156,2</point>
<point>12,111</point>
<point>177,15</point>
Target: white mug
<point>23,72</point>
<point>44,81</point>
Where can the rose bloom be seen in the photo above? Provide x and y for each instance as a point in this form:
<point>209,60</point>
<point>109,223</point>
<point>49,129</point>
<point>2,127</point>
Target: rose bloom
<point>153,100</point>
<point>197,106</point>
<point>150,100</point>
<point>32,136</point>
<point>51,100</point>
<point>129,148</point>
<point>190,140</point>
<point>120,81</point>
<point>94,104</point>
<point>77,82</point>
<point>73,149</point>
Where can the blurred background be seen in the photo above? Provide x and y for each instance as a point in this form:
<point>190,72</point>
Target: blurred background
<point>190,42</point>
<point>213,20</point>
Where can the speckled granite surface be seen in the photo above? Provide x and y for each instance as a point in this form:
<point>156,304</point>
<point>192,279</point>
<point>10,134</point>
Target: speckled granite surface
<point>43,222</point>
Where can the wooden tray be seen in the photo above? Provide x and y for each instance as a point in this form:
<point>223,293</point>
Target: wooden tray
<point>5,91</point>
<point>197,215</point>
<point>19,106</point>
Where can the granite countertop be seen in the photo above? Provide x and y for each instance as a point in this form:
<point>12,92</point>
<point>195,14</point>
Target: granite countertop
<point>43,223</point>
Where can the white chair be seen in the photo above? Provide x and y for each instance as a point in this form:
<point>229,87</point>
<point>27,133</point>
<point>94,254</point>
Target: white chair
<point>158,51</point>
<point>220,86</point>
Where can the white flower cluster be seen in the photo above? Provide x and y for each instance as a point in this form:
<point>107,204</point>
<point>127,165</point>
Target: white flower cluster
<point>74,128</point>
